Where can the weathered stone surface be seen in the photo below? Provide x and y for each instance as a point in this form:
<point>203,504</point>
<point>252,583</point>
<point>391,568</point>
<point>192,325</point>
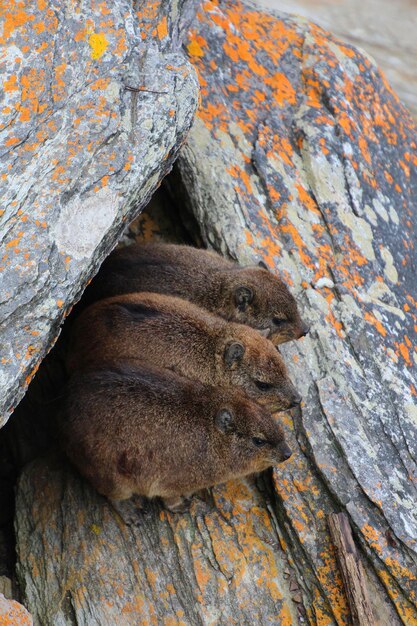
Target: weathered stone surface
<point>222,563</point>
<point>6,588</point>
<point>13,614</point>
<point>96,101</point>
<point>302,154</point>
<point>383,28</point>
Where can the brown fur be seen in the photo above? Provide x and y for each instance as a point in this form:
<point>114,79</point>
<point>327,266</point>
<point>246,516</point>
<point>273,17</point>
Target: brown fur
<point>136,430</point>
<point>206,279</point>
<point>173,333</point>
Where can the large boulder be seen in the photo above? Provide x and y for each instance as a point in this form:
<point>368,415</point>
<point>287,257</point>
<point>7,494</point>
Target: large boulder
<point>96,102</point>
<point>302,155</point>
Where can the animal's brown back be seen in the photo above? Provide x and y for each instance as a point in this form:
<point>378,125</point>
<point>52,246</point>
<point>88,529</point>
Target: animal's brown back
<point>162,268</point>
<point>248,295</point>
<point>163,330</point>
<point>173,333</point>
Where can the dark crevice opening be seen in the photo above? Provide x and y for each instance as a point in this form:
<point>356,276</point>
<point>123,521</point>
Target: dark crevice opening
<point>31,430</point>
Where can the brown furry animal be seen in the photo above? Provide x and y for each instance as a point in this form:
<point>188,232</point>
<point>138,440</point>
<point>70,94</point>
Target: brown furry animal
<point>249,295</point>
<point>173,333</point>
<point>132,429</point>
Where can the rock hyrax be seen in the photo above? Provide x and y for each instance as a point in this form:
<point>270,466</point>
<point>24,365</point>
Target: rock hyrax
<point>131,429</point>
<point>249,295</point>
<point>173,333</point>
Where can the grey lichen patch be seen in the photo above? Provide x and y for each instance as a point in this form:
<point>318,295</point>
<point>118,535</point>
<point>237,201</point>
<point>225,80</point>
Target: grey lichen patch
<point>389,269</point>
<point>84,221</point>
<point>380,209</point>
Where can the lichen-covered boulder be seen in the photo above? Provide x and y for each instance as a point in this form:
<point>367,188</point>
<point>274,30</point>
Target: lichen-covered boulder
<point>96,101</point>
<point>221,563</point>
<point>13,614</point>
<point>302,155</point>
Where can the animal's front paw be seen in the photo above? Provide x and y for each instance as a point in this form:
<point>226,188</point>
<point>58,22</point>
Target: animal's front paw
<point>177,504</point>
<point>202,507</point>
<point>129,510</point>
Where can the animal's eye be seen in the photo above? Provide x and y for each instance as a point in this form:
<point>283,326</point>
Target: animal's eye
<point>259,443</point>
<point>279,321</point>
<point>262,386</point>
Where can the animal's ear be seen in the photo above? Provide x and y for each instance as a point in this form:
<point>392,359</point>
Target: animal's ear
<point>243,297</point>
<point>224,421</point>
<point>263,265</point>
<point>233,353</point>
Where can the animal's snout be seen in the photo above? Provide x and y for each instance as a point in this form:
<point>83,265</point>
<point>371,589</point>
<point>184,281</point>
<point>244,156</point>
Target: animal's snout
<point>295,400</point>
<point>285,451</point>
<point>305,329</point>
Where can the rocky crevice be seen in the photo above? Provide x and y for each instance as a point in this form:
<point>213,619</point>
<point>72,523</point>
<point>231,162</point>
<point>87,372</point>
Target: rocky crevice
<point>74,146</point>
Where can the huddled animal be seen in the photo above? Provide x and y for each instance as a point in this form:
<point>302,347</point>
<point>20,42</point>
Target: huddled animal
<point>138,430</point>
<point>174,372</point>
<point>176,334</point>
<point>249,295</point>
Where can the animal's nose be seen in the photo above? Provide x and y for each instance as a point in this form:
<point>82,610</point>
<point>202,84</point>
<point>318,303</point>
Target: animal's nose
<point>285,451</point>
<point>305,328</point>
<point>295,400</point>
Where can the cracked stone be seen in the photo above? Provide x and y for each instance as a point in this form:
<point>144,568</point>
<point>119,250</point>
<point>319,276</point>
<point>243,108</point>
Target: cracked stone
<point>297,136</point>
<point>82,154</point>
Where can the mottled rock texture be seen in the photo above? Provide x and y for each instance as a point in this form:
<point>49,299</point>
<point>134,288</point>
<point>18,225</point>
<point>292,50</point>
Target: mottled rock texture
<point>13,614</point>
<point>97,99</point>
<point>302,155</point>
<point>222,563</point>
<point>384,29</point>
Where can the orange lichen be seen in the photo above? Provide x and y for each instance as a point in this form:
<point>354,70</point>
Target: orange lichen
<point>194,49</point>
<point>376,323</point>
<point>14,17</point>
<point>13,614</point>
<point>162,28</point>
